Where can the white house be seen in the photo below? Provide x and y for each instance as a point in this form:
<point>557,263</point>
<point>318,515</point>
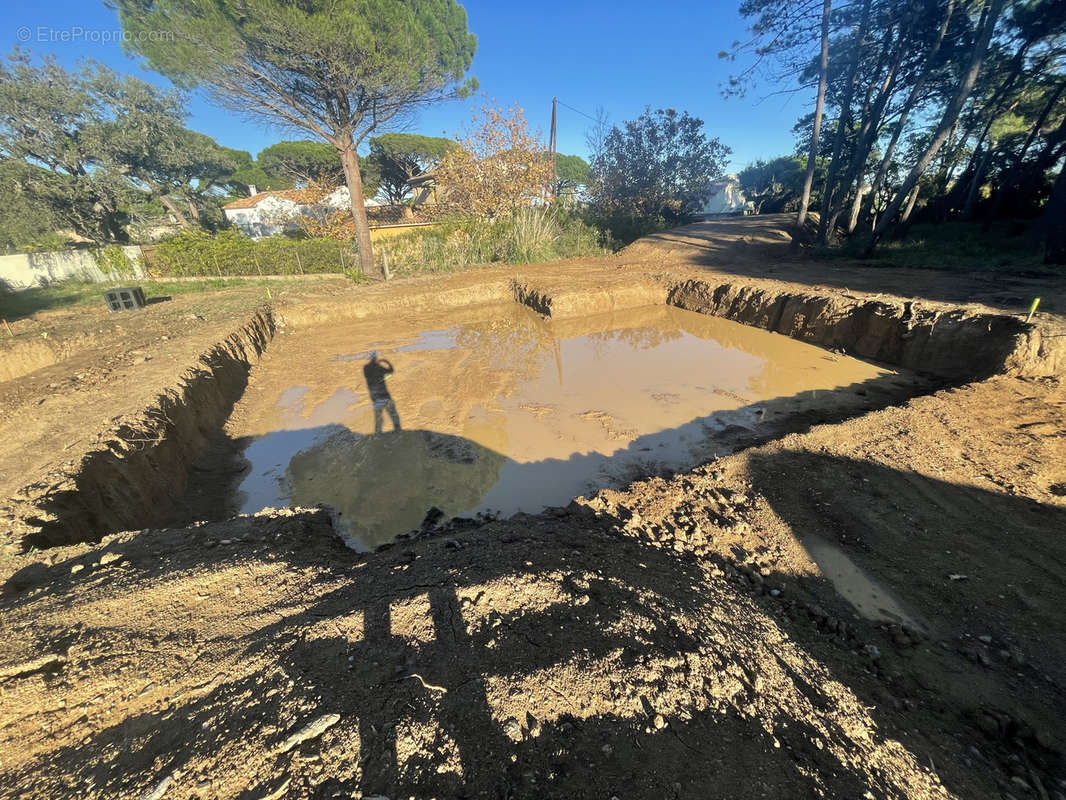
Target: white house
<point>727,198</point>
<point>270,213</point>
<point>263,213</point>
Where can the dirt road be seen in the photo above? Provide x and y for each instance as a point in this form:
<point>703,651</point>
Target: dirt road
<point>675,639</point>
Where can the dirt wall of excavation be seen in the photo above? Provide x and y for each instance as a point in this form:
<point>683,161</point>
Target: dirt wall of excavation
<point>134,478</point>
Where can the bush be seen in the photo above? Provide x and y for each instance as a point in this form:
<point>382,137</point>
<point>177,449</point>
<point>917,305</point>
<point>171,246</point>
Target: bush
<point>196,252</point>
<point>654,172</point>
<point>619,229</point>
<point>113,261</point>
<point>533,234</point>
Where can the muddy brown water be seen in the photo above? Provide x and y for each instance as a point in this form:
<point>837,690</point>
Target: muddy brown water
<point>502,411</point>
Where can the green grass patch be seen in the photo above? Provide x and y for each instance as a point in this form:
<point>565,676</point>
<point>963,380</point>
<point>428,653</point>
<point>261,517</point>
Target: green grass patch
<point>71,294</point>
<point>1008,247</point>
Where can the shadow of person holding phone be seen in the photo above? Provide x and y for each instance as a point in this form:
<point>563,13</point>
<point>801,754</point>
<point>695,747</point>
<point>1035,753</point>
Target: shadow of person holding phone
<point>377,371</point>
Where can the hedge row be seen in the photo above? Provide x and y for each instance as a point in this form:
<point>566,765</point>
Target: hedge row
<point>196,252</point>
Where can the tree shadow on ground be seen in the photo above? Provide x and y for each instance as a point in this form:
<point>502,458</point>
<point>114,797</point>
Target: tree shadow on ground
<point>569,654</point>
<point>723,246</point>
<point>20,303</point>
<point>430,686</point>
<point>978,568</point>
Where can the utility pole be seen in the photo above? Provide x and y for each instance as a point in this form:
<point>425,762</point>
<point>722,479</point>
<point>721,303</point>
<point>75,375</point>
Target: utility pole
<point>553,147</point>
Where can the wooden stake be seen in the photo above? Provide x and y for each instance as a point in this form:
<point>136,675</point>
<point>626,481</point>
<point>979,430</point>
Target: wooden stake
<point>9,333</point>
<point>1032,309</point>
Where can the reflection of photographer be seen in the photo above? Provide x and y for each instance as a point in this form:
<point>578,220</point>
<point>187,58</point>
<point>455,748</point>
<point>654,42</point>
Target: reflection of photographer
<point>377,371</point>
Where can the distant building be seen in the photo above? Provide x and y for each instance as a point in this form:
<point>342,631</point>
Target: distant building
<point>727,198</point>
<point>270,213</point>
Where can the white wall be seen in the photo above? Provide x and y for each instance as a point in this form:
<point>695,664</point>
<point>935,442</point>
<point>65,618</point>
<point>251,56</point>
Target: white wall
<point>273,215</point>
<point>24,270</point>
<point>729,199</point>
<point>270,216</point>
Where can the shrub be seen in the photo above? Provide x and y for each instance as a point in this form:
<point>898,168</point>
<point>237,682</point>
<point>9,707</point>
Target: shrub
<point>532,234</point>
<point>196,252</point>
<point>654,172</point>
<point>113,261</point>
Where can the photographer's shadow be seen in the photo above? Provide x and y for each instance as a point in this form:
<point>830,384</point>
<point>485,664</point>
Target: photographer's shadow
<point>377,371</point>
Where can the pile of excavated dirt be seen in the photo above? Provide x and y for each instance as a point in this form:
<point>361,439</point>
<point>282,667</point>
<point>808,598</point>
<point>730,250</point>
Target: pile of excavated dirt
<point>674,639</point>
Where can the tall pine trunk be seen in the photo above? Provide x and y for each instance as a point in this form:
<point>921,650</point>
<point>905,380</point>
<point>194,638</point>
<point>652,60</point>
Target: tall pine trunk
<point>912,99</point>
<point>819,107</point>
<point>989,18</point>
<point>354,181</point>
<point>975,181</point>
<point>842,129</point>
<point>867,136</point>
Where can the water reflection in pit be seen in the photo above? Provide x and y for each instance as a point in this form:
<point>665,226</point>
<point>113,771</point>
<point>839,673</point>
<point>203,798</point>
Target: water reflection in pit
<point>503,411</point>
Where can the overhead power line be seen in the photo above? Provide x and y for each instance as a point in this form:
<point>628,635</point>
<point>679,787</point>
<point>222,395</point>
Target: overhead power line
<point>578,111</point>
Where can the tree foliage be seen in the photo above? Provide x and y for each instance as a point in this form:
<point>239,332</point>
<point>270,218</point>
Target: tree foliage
<point>302,161</point>
<point>91,146</point>
<point>397,158</point>
<point>776,185</point>
<point>338,69</point>
<point>571,173</point>
<point>499,166</point>
<point>655,170</point>
<point>937,108</point>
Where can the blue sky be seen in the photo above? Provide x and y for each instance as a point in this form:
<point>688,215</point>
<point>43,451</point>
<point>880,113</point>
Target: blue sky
<point>620,55</point>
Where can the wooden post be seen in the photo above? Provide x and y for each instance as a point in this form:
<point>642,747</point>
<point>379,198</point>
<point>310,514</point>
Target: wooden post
<point>298,264</point>
<point>553,146</point>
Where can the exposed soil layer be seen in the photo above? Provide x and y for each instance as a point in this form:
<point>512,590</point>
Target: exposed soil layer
<point>122,403</point>
<point>671,639</point>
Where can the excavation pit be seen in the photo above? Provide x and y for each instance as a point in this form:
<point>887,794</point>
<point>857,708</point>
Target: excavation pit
<point>502,410</point>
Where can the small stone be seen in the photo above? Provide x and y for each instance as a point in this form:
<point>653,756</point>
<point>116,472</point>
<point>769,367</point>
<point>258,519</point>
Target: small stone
<point>607,749</point>
<point>775,593</point>
<point>159,790</point>
<point>76,569</point>
<point>513,729</point>
<point>986,639</point>
<point>310,731</point>
<point>109,558</point>
<point>659,722</point>
<point>873,651</point>
<point>534,726</point>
